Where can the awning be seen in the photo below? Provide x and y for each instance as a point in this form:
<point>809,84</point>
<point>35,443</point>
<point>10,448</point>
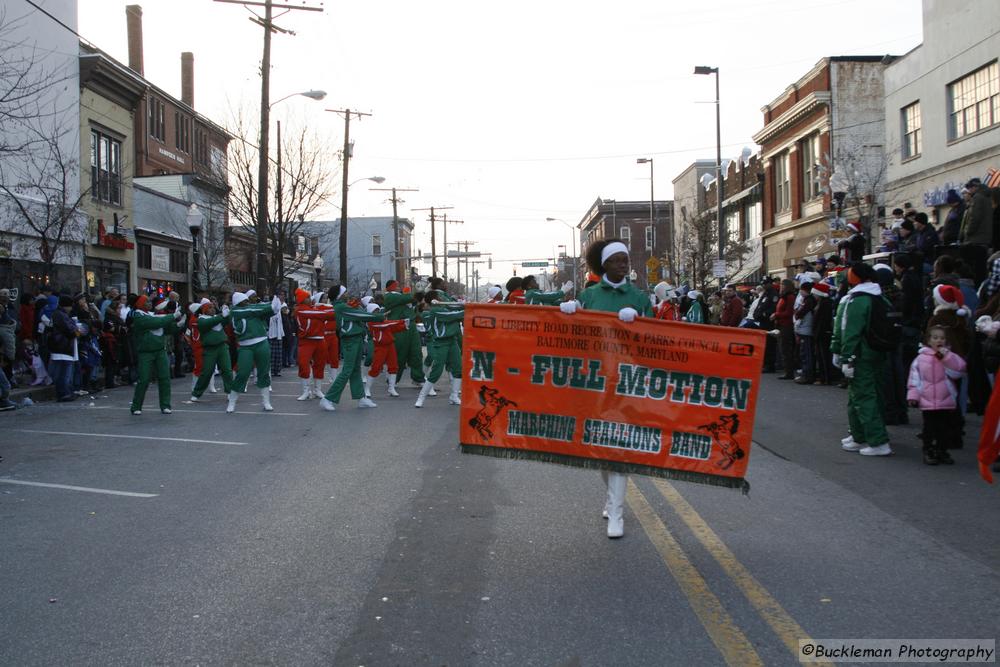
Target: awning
<point>810,247</point>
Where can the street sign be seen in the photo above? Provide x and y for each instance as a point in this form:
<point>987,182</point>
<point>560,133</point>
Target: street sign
<point>463,253</point>
<point>652,264</point>
<point>534,264</point>
<point>719,268</point>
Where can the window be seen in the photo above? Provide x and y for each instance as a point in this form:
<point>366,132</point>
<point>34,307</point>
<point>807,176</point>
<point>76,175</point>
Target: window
<point>912,140</point>
<point>182,132</point>
<point>650,237</point>
<point>810,167</point>
<point>625,232</point>
<point>154,121</point>
<point>376,244</point>
<point>178,261</point>
<point>105,168</point>
<point>145,256</point>
<point>782,200</point>
<point>751,221</point>
<point>732,217</point>
<point>200,146</point>
<point>974,102</point>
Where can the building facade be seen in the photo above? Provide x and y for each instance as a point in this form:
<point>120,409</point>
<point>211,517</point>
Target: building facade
<point>647,239</point>
<point>370,256</point>
<point>742,210</point>
<point>826,127</point>
<point>942,105</point>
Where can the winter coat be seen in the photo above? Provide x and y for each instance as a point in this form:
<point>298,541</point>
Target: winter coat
<point>785,310</point>
<point>695,313</point>
<point>732,312</point>
<point>211,330</point>
<point>977,227</point>
<point>911,303</point>
<point>851,325</point>
<point>250,321</point>
<point>926,240</point>
<point>852,248</point>
<point>399,306</point>
<point>63,333</point>
<point>444,320</point>
<point>952,226</point>
<point>930,380</point>
<point>803,319</point>
<point>312,321</point>
<point>606,297</point>
<point>148,330</point>
<point>823,317</point>
<point>351,320</point>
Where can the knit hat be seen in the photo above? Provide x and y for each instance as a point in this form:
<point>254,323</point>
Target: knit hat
<point>371,307</point>
<point>947,297</point>
<point>693,294</point>
<point>141,301</point>
<point>238,298</point>
<point>302,296</point>
<point>493,291</point>
<point>250,293</point>
<point>854,226</point>
<point>204,303</point>
<point>821,289</point>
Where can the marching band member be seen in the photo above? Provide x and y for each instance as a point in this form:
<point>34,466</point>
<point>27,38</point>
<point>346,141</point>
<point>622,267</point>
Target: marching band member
<point>215,349</point>
<point>312,322</point>
<point>494,294</point>
<point>536,297</point>
<point>384,351</point>
<point>330,339</point>
<point>193,337</point>
<point>148,333</point>
<point>444,322</point>
<point>615,294</point>
<point>250,325</point>
<point>351,319</point>
<point>400,306</point>
<point>666,308</point>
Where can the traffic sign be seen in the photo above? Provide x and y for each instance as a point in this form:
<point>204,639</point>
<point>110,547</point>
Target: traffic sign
<point>719,268</point>
<point>534,264</point>
<point>464,253</point>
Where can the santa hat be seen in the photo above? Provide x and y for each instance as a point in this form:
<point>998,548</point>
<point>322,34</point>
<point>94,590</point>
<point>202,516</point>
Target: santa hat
<point>854,226</point>
<point>141,301</point>
<point>493,291</point>
<point>160,304</point>
<point>203,304</point>
<point>821,289</point>
<point>391,285</point>
<point>238,298</point>
<point>302,296</point>
<point>193,307</point>
<point>947,297</point>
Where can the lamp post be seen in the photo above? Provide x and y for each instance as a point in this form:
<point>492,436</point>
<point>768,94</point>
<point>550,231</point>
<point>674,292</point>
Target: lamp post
<point>652,215</point>
<point>262,175</point>
<point>194,223</point>
<point>572,244</point>
<point>702,69</point>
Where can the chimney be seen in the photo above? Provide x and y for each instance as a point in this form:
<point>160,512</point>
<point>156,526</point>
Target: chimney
<point>133,21</point>
<point>187,78</point>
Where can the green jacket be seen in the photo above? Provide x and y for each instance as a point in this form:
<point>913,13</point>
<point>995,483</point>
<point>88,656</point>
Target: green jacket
<point>250,321</point>
<point>444,320</point>
<point>695,313</point>
<point>351,320</point>
<point>851,324</point>
<point>148,330</point>
<point>399,306</point>
<point>603,296</point>
<point>210,328</point>
<point>536,297</point>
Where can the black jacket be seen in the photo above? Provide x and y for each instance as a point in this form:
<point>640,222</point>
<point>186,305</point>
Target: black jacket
<point>912,299</point>
<point>63,333</point>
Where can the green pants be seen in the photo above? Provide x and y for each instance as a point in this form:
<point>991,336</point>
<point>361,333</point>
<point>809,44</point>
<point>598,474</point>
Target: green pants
<point>217,355</point>
<point>148,361</point>
<point>350,371</point>
<point>408,353</point>
<point>444,353</point>
<point>259,355</point>
<point>864,404</point>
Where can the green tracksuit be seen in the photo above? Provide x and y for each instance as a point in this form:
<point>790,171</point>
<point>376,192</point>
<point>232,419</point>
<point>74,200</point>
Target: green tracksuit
<point>603,296</point>
<point>536,297</point>
<point>864,391</point>
<point>214,353</point>
<point>250,325</point>
<point>399,306</point>
<point>148,333</point>
<point>443,322</point>
<point>352,327</point>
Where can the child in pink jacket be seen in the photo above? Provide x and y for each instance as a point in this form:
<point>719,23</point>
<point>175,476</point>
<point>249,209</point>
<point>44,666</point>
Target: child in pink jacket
<point>932,389</point>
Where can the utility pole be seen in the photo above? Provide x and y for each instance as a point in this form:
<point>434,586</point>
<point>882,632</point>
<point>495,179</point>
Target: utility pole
<point>397,263</point>
<point>346,113</point>
<point>445,220</point>
<point>434,263</point>
<point>265,122</point>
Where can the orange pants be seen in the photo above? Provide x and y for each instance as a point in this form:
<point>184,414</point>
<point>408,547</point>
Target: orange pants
<point>312,356</point>
<point>384,354</point>
<point>198,357</point>
<point>332,351</point>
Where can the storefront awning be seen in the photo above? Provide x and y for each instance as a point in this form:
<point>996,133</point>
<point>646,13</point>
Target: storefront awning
<point>810,248</point>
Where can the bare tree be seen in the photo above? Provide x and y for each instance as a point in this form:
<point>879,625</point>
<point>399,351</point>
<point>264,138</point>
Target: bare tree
<point>306,184</point>
<point>699,249</point>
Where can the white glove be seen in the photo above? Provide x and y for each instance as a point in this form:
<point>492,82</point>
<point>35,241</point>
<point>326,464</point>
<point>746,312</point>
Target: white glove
<point>628,314</point>
<point>653,301</point>
<point>836,360</point>
<point>567,287</point>
<point>406,324</point>
<point>179,314</point>
<point>848,370</point>
<point>568,307</point>
<point>225,310</point>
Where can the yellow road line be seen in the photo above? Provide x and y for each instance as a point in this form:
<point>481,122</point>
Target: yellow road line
<point>736,649</point>
<point>770,609</point>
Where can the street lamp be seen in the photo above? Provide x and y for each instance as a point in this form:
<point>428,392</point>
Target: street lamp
<point>652,219</point>
<point>572,244</point>
<point>702,69</point>
<point>262,176</point>
<point>194,222</point>
<point>318,267</point>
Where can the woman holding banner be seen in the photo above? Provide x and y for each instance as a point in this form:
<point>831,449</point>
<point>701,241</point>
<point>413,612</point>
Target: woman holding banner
<point>614,294</point>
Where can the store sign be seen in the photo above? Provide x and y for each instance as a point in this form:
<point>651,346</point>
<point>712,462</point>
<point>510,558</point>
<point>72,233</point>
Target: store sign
<point>110,240</point>
<point>160,258</point>
<point>173,156</point>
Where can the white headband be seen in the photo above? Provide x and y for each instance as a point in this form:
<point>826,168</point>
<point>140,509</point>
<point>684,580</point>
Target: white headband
<point>613,249</point>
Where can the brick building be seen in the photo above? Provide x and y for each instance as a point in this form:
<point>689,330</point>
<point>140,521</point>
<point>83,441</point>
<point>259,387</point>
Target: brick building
<point>630,221</point>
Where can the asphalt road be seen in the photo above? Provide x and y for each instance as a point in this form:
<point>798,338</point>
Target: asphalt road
<point>364,537</point>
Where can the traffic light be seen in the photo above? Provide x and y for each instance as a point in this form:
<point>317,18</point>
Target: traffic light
<point>489,262</point>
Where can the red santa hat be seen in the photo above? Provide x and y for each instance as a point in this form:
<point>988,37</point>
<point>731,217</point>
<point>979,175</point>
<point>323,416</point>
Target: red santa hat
<point>140,302</point>
<point>159,303</point>
<point>391,285</point>
<point>821,289</point>
<point>854,226</point>
<point>947,297</point>
<point>302,296</point>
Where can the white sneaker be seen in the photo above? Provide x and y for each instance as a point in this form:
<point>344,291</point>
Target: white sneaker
<point>231,407</point>
<point>616,527</point>
<point>194,399</point>
<point>327,405</point>
<point>848,445</point>
<point>366,403</point>
<point>432,392</point>
<point>306,391</point>
<point>848,440</point>
<point>137,412</point>
<point>165,411</point>
<point>880,450</point>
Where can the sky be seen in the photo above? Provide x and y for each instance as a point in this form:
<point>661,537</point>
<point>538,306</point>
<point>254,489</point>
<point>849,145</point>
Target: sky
<point>509,112</point>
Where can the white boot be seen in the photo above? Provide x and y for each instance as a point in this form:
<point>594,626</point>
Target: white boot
<point>306,390</point>
<point>334,372</point>
<point>607,497</point>
<point>366,380</point>
<point>392,385</point>
<point>265,399</point>
<point>317,389</point>
<point>367,403</point>
<point>433,391</point>
<point>327,405</point>
<point>424,392</point>
<point>616,503</point>
<point>456,387</point>
<point>211,385</point>
<point>232,401</point>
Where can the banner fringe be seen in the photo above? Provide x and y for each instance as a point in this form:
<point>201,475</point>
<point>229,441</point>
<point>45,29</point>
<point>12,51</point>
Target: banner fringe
<point>613,466</point>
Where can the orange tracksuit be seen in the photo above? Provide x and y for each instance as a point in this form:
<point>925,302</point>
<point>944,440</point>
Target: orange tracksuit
<point>194,338</point>
<point>330,337</point>
<point>312,322</point>
<point>385,347</point>
<point>667,311</point>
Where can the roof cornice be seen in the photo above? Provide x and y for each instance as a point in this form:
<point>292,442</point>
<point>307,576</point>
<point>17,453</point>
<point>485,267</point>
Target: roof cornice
<point>806,105</point>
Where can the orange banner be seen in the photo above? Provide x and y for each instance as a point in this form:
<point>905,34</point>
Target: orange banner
<point>652,397</point>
